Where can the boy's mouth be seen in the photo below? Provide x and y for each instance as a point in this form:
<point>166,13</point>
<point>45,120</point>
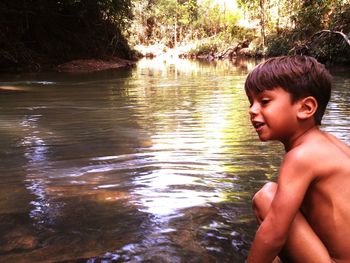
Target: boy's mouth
<point>258,125</point>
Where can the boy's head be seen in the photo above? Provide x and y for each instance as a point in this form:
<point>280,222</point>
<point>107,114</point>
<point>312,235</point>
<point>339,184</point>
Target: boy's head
<point>300,76</point>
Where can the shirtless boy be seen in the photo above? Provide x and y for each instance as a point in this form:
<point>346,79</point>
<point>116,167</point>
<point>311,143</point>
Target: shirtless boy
<point>305,216</point>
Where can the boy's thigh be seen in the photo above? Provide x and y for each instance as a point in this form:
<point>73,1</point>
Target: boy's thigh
<point>303,245</point>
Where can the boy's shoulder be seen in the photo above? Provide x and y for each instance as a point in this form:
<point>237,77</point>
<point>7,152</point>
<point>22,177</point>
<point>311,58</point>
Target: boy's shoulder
<point>298,160</point>
<point>319,143</point>
<point>317,154</point>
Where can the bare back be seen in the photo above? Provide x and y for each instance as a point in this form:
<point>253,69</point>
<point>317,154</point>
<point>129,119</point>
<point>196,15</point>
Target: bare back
<point>326,204</point>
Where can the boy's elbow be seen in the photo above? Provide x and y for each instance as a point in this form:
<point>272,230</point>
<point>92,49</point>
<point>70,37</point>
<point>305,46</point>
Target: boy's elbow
<point>274,239</point>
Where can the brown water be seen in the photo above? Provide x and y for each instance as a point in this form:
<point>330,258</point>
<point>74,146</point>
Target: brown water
<point>153,164</point>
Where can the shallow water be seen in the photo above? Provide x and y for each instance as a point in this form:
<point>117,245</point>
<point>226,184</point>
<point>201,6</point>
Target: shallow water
<point>152,164</point>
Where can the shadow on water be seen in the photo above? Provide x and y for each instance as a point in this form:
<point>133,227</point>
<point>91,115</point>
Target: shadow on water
<point>153,164</point>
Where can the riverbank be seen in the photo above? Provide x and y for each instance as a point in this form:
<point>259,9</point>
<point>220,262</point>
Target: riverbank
<point>329,47</point>
<point>201,49</point>
<point>90,65</point>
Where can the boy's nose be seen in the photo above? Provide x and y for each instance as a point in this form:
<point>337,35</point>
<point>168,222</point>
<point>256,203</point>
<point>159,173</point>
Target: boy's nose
<point>254,109</point>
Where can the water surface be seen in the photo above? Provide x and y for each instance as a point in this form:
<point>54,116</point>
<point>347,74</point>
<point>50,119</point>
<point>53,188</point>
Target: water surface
<point>152,164</point>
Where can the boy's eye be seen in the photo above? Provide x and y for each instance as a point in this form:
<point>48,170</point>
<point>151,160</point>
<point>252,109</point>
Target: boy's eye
<point>265,101</point>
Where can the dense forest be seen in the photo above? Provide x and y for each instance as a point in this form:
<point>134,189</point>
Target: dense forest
<point>40,33</point>
<point>35,34</point>
<point>248,27</point>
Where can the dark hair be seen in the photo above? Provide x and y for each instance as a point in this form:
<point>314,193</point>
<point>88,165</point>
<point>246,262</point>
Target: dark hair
<point>301,76</point>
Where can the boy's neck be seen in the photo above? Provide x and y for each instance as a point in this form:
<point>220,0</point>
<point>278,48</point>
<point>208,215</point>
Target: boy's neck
<point>299,137</point>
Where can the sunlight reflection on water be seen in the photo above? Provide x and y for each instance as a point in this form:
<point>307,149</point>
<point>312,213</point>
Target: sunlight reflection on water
<point>160,196</point>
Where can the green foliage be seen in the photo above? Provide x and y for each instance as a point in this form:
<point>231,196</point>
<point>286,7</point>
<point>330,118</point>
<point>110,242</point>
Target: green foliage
<point>278,45</point>
<point>62,30</point>
<point>340,18</point>
<point>237,33</point>
<point>192,10</point>
<point>189,20</point>
<point>47,31</point>
<point>311,17</point>
<point>207,46</point>
<point>274,27</point>
<point>290,24</point>
<point>250,6</point>
<point>118,11</point>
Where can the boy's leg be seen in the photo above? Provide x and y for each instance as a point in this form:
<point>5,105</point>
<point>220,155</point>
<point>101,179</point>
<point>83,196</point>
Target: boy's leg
<point>303,245</point>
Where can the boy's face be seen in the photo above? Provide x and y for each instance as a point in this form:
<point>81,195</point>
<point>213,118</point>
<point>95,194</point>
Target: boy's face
<point>273,114</point>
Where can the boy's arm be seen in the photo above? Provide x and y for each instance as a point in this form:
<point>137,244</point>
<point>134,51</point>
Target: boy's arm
<point>293,181</point>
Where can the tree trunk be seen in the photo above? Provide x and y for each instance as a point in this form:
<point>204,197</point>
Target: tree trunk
<point>278,17</point>
<point>262,22</point>
<point>175,33</point>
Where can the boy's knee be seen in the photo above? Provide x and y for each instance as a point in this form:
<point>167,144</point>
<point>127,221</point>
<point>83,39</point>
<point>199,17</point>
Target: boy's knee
<point>266,193</point>
<point>263,198</point>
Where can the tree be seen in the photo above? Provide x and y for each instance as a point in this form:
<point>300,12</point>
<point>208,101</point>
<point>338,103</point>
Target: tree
<point>257,10</point>
<point>52,31</point>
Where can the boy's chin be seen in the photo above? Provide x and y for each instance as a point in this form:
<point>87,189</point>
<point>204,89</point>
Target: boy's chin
<point>264,139</point>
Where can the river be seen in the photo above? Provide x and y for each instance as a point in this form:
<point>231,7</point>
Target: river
<point>152,164</point>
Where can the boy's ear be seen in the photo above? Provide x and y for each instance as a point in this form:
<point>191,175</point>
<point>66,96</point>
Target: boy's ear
<point>307,108</point>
